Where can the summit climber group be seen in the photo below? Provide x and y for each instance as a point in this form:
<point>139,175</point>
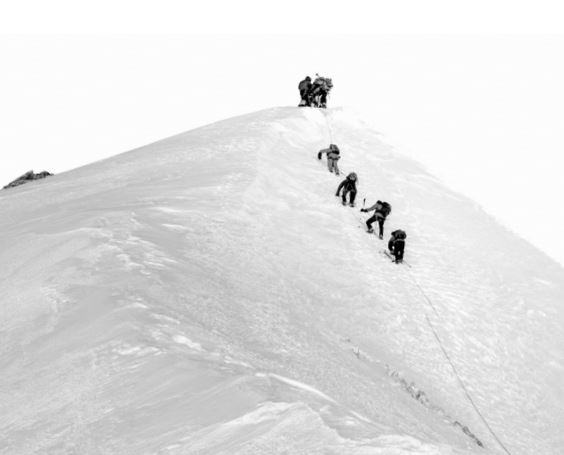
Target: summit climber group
<point>314,94</point>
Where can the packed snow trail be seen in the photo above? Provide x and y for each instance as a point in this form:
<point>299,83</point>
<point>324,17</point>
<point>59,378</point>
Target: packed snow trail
<point>208,294</point>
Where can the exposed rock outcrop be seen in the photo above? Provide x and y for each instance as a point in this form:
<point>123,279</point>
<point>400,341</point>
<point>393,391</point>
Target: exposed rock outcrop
<point>27,177</point>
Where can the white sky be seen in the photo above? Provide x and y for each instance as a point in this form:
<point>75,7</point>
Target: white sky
<point>471,89</point>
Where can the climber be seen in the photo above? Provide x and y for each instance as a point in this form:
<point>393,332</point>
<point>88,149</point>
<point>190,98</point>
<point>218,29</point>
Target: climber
<point>319,91</point>
<point>396,244</point>
<point>332,157</point>
<point>305,87</point>
<point>349,187</point>
<point>381,211</point>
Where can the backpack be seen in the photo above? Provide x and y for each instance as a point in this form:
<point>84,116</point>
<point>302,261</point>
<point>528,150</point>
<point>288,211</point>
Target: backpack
<point>324,83</point>
<point>333,152</point>
<point>386,209</point>
<point>303,85</point>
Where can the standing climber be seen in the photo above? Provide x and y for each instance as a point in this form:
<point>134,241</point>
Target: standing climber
<point>396,244</point>
<point>333,155</point>
<point>305,88</point>
<point>349,187</point>
<point>381,211</point>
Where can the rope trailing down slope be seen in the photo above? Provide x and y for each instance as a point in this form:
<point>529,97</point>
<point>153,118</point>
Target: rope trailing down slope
<point>328,122</point>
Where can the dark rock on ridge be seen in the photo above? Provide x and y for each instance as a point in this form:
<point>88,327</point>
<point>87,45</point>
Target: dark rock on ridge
<point>27,177</point>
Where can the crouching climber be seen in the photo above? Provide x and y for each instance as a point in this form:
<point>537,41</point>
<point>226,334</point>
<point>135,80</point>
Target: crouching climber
<point>396,244</point>
<point>381,211</point>
<point>333,155</point>
<point>320,90</point>
<point>349,187</point>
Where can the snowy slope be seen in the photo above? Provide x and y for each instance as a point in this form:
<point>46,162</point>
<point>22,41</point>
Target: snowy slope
<point>208,294</point>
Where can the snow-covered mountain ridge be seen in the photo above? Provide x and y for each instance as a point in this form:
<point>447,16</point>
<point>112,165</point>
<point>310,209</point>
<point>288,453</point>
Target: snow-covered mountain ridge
<point>208,294</point>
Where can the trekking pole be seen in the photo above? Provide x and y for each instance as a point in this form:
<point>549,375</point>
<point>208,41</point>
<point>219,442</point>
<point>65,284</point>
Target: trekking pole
<point>362,222</point>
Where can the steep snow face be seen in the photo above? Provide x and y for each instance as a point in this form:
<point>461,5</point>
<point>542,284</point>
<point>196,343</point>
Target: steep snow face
<point>208,294</point>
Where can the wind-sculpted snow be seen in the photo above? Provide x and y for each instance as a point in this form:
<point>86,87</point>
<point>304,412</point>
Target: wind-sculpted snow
<point>208,294</point>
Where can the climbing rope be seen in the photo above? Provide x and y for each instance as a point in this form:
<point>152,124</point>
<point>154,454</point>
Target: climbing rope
<point>451,363</point>
<point>430,324</point>
<point>328,123</point>
<point>327,116</point>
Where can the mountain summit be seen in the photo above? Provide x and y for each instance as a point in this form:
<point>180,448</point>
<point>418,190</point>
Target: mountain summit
<point>208,294</point>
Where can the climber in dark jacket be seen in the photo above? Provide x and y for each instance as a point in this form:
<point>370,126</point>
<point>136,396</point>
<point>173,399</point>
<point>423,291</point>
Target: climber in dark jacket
<point>396,244</point>
<point>381,211</point>
<point>349,187</point>
<point>305,88</point>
